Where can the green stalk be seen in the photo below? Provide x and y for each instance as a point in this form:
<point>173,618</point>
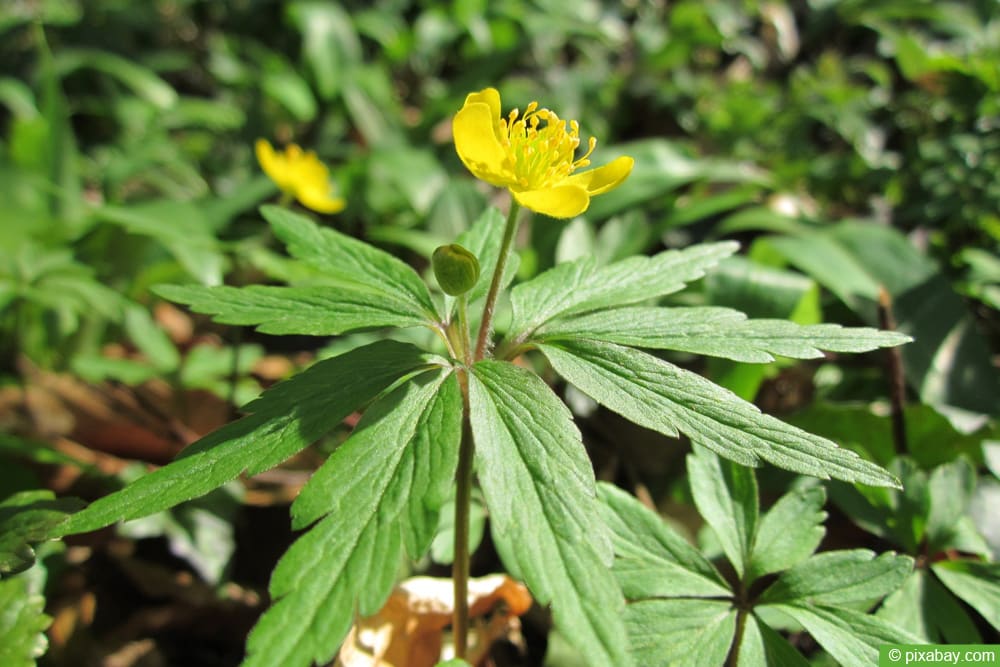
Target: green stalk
<point>486,326</point>
<point>466,451</point>
<point>462,306</point>
<point>463,497</point>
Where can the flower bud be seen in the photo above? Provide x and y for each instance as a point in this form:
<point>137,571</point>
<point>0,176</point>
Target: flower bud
<point>455,268</point>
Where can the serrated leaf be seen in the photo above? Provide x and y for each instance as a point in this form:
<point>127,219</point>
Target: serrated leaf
<point>719,332</point>
<point>584,285</point>
<point>284,420</point>
<point>651,560</point>
<point>789,531</point>
<point>680,633</point>
<point>851,637</point>
<point>313,311</point>
<point>840,577</point>
<point>726,496</point>
<point>348,262</point>
<point>978,584</point>
<point>22,623</point>
<point>927,609</point>
<point>379,492</point>
<point>763,647</point>
<point>658,395</point>
<point>535,473</point>
<point>27,518</point>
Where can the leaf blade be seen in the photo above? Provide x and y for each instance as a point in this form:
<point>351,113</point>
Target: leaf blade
<point>347,260</point>
<point>790,531</point>
<point>725,494</point>
<point>311,310</point>
<point>583,285</point>
<point>658,395</point>
<point>651,560</point>
<point>284,420</point>
<point>719,332</point>
<point>533,471</point>
<point>348,560</point>
<point>840,577</point>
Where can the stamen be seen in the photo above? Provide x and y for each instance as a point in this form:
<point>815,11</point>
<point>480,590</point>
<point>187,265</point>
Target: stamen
<point>541,146</point>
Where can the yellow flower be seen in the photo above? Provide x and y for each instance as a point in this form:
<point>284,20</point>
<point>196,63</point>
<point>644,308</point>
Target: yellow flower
<point>301,175</point>
<point>532,155</point>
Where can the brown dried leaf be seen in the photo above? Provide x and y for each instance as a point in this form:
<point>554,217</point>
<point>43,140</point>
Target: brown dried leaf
<point>410,629</point>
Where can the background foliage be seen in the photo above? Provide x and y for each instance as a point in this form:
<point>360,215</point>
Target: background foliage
<point>851,147</point>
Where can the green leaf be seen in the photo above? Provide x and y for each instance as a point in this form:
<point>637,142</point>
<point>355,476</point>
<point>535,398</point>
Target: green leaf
<point>584,285</point>
<point>348,262</point>
<point>201,531</point>
<point>658,395</point>
<point>930,438</point>
<point>443,545</point>
<point>284,420</point>
<point>22,624</point>
<point>681,633</point>
<point>950,487</point>
<point>978,584</point>
<point>27,518</point>
<point>897,514</point>
<point>181,227</point>
<point>748,284</point>
<point>840,578</point>
<point>789,532</point>
<point>660,168</point>
<point>949,362</point>
<point>313,311</point>
<point>379,491</point>
<point>763,647</point>
<point>719,332</point>
<point>651,560</point>
<point>330,44</point>
<point>927,609</point>
<point>143,81</point>
<point>726,496</point>
<point>535,473</point>
<point>151,340</point>
<point>851,637</point>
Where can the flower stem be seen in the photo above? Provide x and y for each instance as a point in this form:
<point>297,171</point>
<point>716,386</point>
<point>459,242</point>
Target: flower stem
<point>486,326</point>
<point>463,497</point>
<point>466,451</point>
<point>462,306</point>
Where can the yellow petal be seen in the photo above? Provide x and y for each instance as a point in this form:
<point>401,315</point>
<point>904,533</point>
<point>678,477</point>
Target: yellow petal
<point>319,198</point>
<point>477,143</point>
<point>271,162</point>
<point>562,201</point>
<point>491,98</point>
<point>603,178</point>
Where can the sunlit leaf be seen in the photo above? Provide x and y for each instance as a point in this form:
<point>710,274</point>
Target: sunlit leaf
<point>534,472</point>
<point>284,420</point>
<point>658,395</point>
<point>394,473</point>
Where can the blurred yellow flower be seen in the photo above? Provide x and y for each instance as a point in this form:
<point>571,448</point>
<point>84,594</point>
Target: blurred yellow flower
<point>301,175</point>
<point>532,155</point>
